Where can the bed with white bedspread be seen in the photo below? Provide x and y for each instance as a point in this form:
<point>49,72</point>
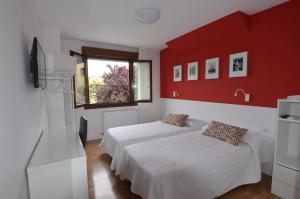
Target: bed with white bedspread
<point>194,166</point>
<point>131,134</point>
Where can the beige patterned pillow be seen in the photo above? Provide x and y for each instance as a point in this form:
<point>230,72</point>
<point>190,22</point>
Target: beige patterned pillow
<point>176,119</point>
<point>225,132</point>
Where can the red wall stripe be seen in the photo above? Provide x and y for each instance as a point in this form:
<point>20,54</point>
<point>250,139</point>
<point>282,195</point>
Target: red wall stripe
<point>273,45</point>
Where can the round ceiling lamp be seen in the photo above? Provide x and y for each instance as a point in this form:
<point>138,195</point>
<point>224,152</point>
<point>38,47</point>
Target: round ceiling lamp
<point>147,15</point>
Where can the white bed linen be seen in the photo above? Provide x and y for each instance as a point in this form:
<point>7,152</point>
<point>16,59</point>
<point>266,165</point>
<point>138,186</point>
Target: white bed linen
<point>262,144</point>
<point>189,166</point>
<point>138,133</point>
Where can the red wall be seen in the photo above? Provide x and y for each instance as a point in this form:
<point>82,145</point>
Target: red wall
<point>273,44</point>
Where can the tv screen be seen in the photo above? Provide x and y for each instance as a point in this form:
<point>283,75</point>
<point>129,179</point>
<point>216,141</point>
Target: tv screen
<point>38,65</point>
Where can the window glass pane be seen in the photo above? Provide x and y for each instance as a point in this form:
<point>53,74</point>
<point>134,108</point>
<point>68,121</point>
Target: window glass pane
<point>142,81</point>
<point>108,81</point>
<point>80,88</point>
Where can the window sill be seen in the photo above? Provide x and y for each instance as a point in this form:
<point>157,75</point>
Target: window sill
<point>144,101</point>
<point>103,106</point>
<point>79,106</point>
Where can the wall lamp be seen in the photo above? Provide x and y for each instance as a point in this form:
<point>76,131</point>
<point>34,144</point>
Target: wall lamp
<point>247,95</point>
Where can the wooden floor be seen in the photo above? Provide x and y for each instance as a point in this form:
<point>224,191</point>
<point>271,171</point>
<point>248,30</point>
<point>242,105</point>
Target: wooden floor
<point>103,184</point>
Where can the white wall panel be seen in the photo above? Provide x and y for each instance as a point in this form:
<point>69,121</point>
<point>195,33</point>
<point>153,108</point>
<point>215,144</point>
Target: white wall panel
<point>251,117</point>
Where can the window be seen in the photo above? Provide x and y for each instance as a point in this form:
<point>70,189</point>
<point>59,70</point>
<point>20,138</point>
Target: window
<point>108,78</point>
<point>108,81</point>
<point>79,81</point>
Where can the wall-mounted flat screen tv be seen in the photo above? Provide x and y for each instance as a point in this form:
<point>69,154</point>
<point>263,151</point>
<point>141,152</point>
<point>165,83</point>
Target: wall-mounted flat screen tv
<point>38,65</point>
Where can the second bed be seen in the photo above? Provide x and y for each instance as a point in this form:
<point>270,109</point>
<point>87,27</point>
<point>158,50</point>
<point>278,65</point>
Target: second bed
<point>193,165</point>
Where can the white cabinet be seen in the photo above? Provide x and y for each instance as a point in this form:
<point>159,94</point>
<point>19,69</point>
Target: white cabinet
<point>286,169</point>
<point>58,168</point>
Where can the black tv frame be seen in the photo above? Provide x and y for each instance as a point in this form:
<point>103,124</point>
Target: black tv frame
<point>34,64</point>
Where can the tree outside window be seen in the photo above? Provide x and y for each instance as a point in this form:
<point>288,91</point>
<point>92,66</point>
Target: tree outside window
<point>108,81</point>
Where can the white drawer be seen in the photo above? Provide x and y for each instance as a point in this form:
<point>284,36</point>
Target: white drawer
<point>286,176</point>
<point>284,191</point>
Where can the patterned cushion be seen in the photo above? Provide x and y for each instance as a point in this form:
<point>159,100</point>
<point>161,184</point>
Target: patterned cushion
<point>176,119</point>
<point>225,132</point>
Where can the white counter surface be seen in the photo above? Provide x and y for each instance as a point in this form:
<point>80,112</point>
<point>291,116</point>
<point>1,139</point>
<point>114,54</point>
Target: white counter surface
<point>57,145</point>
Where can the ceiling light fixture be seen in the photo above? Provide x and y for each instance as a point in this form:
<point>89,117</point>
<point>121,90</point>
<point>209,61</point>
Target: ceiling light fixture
<point>147,15</point>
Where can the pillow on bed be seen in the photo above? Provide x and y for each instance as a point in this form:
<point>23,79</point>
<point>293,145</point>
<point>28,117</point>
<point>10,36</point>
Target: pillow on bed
<point>176,119</point>
<point>231,134</point>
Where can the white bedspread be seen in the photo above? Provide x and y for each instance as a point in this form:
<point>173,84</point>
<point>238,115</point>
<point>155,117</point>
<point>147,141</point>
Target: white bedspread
<point>138,133</point>
<point>189,166</point>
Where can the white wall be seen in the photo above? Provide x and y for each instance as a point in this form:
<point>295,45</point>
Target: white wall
<point>51,39</point>
<point>147,112</point>
<point>76,44</point>
<point>20,103</point>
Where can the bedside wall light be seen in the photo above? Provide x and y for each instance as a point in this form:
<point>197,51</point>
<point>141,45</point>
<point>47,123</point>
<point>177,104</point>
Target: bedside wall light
<point>175,94</point>
<point>247,95</point>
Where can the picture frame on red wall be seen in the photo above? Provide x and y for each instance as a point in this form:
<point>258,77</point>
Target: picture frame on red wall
<point>193,71</point>
<point>238,64</point>
<point>212,68</point>
<point>177,73</point>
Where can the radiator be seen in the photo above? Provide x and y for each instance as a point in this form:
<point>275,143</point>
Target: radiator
<point>122,117</point>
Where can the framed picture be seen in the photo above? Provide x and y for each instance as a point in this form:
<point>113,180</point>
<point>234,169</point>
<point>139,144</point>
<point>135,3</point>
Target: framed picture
<point>212,68</point>
<point>238,65</point>
<point>177,73</point>
<point>192,71</point>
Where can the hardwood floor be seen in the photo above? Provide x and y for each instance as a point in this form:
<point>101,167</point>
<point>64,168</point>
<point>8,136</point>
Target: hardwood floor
<point>103,184</point>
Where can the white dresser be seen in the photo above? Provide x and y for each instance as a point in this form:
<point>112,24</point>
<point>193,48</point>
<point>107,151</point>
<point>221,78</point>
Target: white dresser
<point>286,168</point>
<point>58,168</point>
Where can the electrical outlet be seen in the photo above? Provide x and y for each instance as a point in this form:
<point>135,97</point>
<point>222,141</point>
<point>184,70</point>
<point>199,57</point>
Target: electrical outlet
<point>247,97</point>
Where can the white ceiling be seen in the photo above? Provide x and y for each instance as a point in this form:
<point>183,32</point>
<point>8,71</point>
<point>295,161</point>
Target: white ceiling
<point>113,21</point>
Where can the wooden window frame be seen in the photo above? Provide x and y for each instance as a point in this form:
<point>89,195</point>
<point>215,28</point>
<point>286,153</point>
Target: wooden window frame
<point>106,54</point>
<point>72,53</point>
<point>102,105</point>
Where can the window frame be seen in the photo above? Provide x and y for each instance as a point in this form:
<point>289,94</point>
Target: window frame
<point>107,54</point>
<point>72,53</point>
<point>131,102</point>
<point>150,64</point>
